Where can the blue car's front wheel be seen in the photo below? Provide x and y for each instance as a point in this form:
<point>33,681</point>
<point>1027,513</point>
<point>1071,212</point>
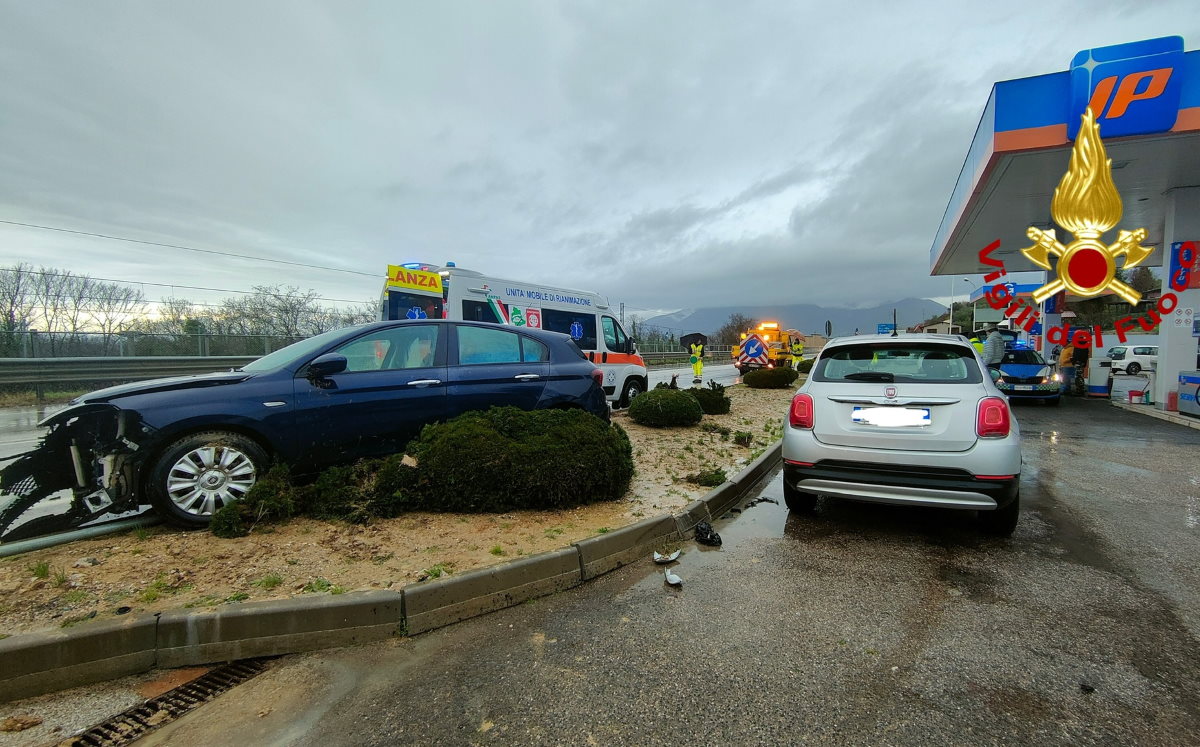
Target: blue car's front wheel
<point>203,472</point>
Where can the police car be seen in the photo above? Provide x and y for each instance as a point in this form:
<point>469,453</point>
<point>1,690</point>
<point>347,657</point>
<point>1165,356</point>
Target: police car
<point>1024,374</point>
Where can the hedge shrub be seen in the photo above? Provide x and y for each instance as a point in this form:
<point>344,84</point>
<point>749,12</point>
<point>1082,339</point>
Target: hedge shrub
<point>507,458</point>
<point>805,366</point>
<point>499,460</point>
<point>770,378</point>
<point>665,407</point>
<point>713,400</point>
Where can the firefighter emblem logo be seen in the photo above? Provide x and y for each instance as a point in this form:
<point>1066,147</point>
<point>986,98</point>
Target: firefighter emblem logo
<point>1087,204</point>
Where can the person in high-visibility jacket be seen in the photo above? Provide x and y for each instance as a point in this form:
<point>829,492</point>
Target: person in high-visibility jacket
<point>977,343</point>
<point>697,360</point>
<point>797,352</point>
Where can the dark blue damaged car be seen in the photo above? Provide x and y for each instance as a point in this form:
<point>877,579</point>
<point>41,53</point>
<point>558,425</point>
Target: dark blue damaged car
<point>189,445</point>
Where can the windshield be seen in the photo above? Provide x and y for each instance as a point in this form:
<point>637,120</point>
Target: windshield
<point>1027,357</point>
<point>907,362</point>
<point>296,350</point>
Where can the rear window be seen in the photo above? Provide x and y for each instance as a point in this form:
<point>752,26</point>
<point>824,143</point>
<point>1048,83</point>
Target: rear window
<point>575,349</point>
<point>910,362</point>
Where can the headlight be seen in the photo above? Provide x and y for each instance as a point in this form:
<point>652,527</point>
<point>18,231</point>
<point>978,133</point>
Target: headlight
<point>1057,377</point>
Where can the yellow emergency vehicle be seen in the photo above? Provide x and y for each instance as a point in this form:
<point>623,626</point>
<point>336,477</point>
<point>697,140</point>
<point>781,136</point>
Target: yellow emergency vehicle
<point>778,341</point>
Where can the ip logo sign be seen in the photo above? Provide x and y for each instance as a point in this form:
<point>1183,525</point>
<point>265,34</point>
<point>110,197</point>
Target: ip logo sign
<point>1132,88</point>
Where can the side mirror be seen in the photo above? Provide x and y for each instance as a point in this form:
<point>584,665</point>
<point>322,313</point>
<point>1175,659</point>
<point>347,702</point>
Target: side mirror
<point>326,365</point>
<point>995,373</point>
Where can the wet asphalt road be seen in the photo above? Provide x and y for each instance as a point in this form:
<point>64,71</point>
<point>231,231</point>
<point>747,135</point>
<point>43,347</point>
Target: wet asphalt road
<point>861,624</point>
<point>723,373</point>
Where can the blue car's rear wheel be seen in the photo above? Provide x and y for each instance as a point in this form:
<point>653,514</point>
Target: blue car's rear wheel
<point>201,473</point>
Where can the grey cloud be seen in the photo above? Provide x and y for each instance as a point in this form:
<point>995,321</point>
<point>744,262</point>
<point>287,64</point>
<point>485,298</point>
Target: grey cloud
<point>645,150</point>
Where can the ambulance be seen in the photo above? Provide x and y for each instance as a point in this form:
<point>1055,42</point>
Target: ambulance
<point>424,291</point>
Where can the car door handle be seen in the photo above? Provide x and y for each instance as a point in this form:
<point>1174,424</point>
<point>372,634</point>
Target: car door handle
<point>424,382</point>
<point>527,377</point>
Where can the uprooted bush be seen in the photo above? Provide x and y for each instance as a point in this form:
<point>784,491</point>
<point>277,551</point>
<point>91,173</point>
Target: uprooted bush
<point>709,478</point>
<point>770,378</point>
<point>713,400</point>
<point>665,407</point>
<point>499,460</point>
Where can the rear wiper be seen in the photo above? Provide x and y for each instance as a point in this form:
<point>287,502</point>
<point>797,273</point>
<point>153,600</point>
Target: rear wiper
<point>871,376</point>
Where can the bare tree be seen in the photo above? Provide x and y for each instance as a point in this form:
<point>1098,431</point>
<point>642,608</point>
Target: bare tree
<point>16,307</point>
<point>731,332</point>
<point>113,308</point>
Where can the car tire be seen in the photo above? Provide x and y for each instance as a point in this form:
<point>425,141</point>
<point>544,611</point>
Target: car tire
<point>1133,369</point>
<point>198,474</point>
<point>633,388</point>
<point>798,500</point>
<point>1003,521</point>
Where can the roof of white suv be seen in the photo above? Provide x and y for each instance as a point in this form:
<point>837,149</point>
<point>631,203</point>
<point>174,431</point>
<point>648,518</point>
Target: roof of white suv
<point>909,337</point>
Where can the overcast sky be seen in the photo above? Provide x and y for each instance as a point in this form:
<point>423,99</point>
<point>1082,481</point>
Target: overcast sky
<point>666,154</point>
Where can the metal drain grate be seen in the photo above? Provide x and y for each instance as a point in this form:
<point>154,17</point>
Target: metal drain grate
<point>136,722</point>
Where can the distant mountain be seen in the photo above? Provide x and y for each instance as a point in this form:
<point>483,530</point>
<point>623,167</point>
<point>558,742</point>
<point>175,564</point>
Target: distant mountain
<point>805,317</point>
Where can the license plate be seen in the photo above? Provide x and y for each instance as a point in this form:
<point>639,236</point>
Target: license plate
<point>891,417</point>
<point>1024,387</point>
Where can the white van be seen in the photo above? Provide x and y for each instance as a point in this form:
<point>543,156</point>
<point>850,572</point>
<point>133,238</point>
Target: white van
<point>418,291</point>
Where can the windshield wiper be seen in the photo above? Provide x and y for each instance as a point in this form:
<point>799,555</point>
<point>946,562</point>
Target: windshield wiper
<point>871,376</point>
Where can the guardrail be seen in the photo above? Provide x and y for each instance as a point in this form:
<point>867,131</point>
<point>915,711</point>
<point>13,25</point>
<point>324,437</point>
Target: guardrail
<point>39,372</point>
<point>42,371</point>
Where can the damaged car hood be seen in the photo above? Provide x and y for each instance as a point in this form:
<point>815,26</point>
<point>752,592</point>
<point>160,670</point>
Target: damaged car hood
<point>174,383</point>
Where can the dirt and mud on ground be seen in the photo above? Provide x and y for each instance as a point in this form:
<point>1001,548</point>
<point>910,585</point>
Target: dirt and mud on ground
<point>159,568</point>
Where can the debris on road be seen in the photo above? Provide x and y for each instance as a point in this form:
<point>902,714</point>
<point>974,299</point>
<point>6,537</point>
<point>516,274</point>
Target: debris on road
<point>706,536</point>
<point>672,579</point>
<point>664,559</point>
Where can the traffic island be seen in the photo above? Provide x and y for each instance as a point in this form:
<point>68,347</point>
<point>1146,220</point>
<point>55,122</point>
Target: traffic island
<point>38,663</point>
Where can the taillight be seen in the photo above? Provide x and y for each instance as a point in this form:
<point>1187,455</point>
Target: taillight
<point>992,419</point>
<point>801,414</point>
<point>598,377</point>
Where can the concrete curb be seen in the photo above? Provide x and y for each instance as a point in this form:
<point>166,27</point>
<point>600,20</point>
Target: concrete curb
<point>723,498</point>
<point>437,603</point>
<point>601,554</point>
<point>279,626</point>
<point>38,663</point>
<point>1170,417</point>
<point>696,512</point>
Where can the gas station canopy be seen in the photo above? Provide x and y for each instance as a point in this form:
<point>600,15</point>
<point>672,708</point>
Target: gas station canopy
<point>1146,96</point>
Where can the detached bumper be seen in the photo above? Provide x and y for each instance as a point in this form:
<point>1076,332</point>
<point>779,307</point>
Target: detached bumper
<point>902,484</point>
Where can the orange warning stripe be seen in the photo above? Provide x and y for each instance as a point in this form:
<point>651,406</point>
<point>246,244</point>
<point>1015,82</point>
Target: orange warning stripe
<point>606,358</point>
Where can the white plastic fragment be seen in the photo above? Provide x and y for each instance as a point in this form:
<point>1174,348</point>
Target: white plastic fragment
<point>664,559</point>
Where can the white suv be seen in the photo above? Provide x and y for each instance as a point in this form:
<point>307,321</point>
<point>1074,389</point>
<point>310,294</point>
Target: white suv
<point>913,420</point>
<point>1133,360</point>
